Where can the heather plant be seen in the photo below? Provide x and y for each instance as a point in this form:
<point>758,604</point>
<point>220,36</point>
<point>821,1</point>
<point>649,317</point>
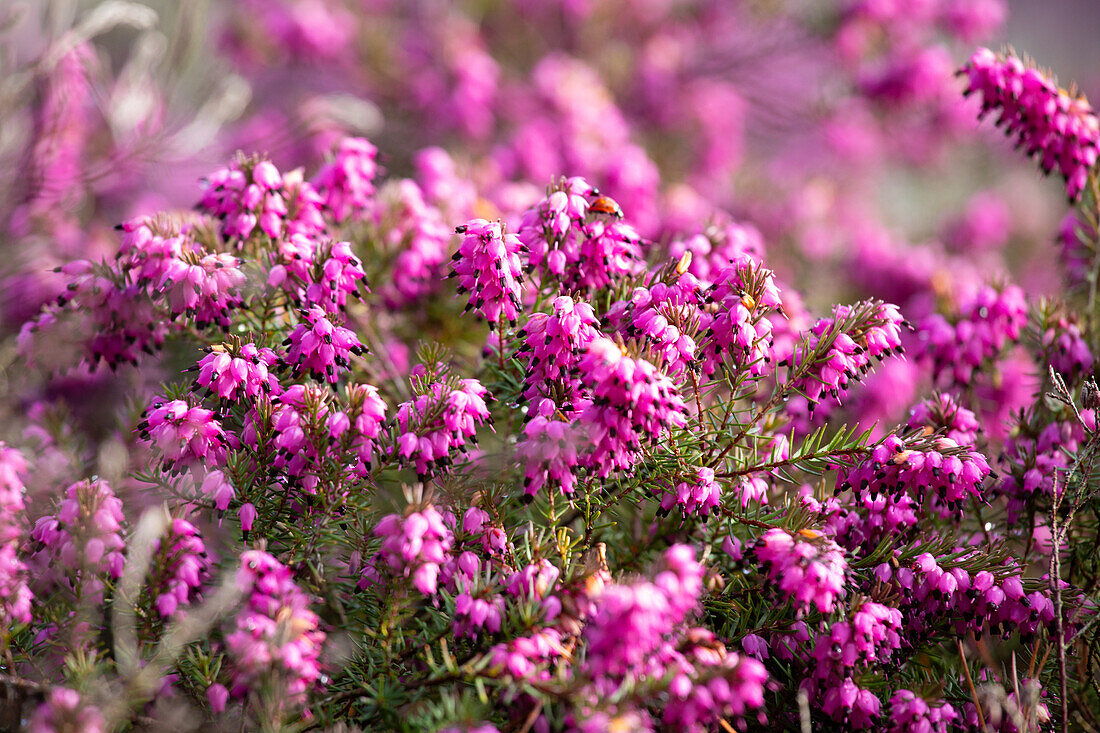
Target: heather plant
<point>497,419</point>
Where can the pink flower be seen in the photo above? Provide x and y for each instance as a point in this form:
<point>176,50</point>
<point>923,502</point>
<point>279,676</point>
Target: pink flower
<point>488,267</point>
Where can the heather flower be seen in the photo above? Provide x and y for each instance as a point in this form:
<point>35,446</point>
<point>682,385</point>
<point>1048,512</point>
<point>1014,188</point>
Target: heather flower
<point>908,712</point>
<point>431,427</point>
<point>319,347</point>
<point>575,236</point>
<point>987,323</point>
<point>202,287</point>
<point>1066,350</point>
<point>179,567</point>
<point>664,317</point>
<point>845,347</point>
<point>553,344</point>
<point>419,236</point>
<point>943,470</point>
<point>942,413</point>
<point>415,545</point>
<point>1059,131</point>
<point>54,169</point>
<point>236,369</point>
<point>719,245</point>
<point>1076,251</point>
<point>808,567</point>
<point>346,182</point>
<point>183,434</point>
<point>632,404</point>
<point>277,637</point>
<point>64,711</point>
<point>632,622</point>
<point>15,596</point>
<point>475,615</point>
<point>1036,462</point>
<point>697,495</point>
<point>253,194</point>
<point>217,486</point>
<point>743,292</point>
<point>488,267</point>
<point>366,410</point>
<point>548,449</point>
<point>525,657</point>
<point>84,538</point>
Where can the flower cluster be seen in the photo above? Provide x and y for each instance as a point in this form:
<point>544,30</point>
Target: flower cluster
<point>181,565</point>
<point>869,637</point>
<point>250,194</point>
<point>843,348</point>
<point>942,472</point>
<point>432,427</point>
<point>320,347</point>
<point>943,414</point>
<point>346,183</point>
<point>414,545</point>
<point>549,449</point>
<point>576,236</point>
<point>1036,464</point>
<point>909,712</point>
<point>808,567</point>
<point>183,434</point>
<point>633,404</point>
<point>235,369</point>
<point>1059,130</point>
<point>488,267</point>
<point>15,596</point>
<point>277,640</point>
<point>83,537</point>
<point>553,344</point>
<point>987,323</point>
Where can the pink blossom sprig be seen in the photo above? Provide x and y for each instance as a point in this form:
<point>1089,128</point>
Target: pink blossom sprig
<point>808,567</point>
<point>869,637</point>
<point>843,348</point>
<point>346,182</point>
<point>15,595</point>
<point>181,566</point>
<point>633,405</point>
<point>252,195</point>
<point>988,322</point>
<point>697,494</point>
<point>414,545</point>
<point>202,287</point>
<point>909,712</point>
<point>321,348</point>
<point>549,449</point>
<point>943,414</point>
<point>743,293</point>
<point>665,317</point>
<point>577,237</point>
<point>318,273</point>
<point>1034,462</point>
<point>234,370</point>
<point>488,267</point>
<point>277,638</point>
<point>943,471</point>
<point>82,543</point>
<point>438,423</point>
<point>183,434</point>
<point>65,711</point>
<point>417,233</point>
<point>638,631</point>
<point>1059,130</point>
<point>553,344</point>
